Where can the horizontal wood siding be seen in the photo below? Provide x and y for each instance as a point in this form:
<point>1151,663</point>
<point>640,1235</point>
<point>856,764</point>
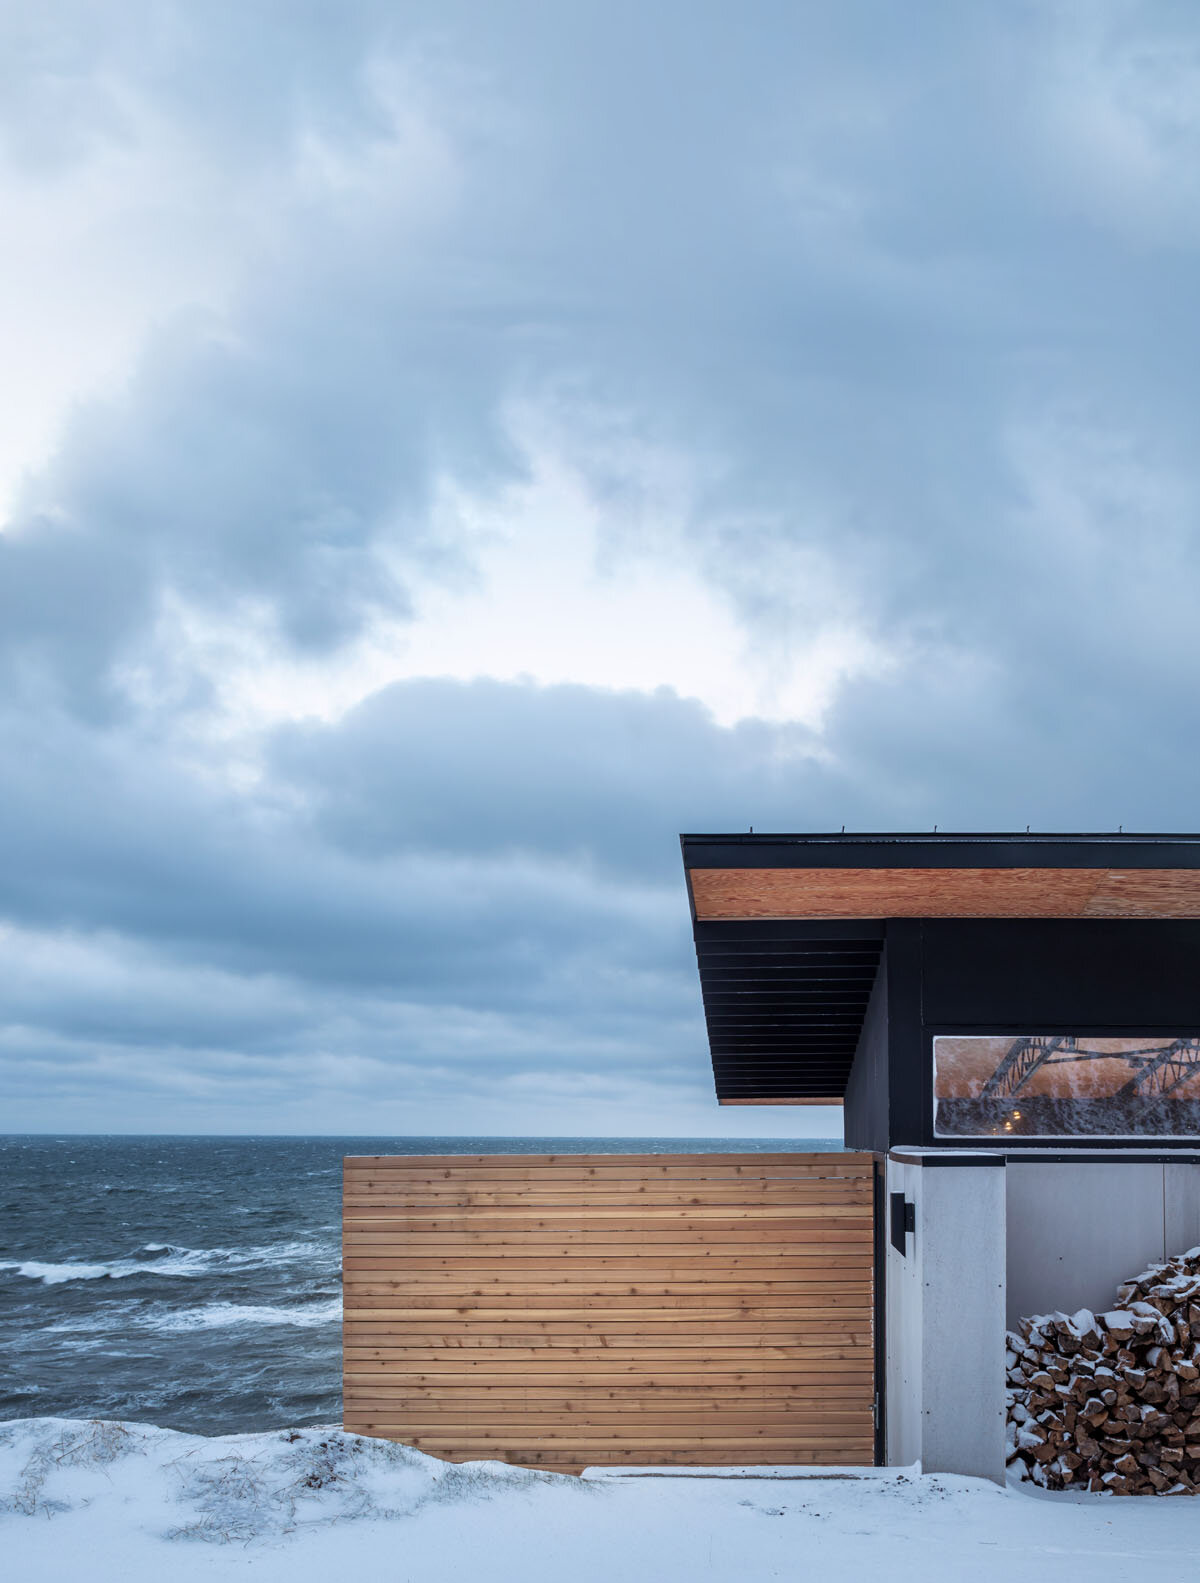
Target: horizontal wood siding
<point>564,1311</point>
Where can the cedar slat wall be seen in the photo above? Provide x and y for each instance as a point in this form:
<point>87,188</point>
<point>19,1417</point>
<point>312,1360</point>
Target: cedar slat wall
<point>564,1311</point>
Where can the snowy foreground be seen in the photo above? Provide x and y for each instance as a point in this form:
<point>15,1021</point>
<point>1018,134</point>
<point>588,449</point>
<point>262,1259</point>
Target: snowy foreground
<point>100,1501</point>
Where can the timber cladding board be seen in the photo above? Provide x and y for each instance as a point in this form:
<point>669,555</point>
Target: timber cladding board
<point>562,1311</point>
<point>847,893</point>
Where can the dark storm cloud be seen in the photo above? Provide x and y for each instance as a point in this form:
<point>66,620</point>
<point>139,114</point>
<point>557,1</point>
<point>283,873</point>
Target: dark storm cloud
<point>839,253</point>
<point>267,473</point>
<point>604,780</point>
<point>913,297</point>
<point>398,896</point>
<point>171,935</point>
<point>96,837</point>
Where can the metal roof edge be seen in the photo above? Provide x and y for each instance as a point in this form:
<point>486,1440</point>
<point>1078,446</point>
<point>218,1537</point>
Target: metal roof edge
<point>941,849</point>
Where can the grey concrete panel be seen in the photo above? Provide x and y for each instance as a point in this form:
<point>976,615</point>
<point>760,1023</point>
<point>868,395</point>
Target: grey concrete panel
<point>903,1297</point>
<point>962,1342</point>
<point>1181,1207</point>
<point>1075,1231</point>
<point>945,1322</point>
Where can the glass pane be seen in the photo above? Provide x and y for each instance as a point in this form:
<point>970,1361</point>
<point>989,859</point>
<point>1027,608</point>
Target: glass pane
<point>1051,1086</point>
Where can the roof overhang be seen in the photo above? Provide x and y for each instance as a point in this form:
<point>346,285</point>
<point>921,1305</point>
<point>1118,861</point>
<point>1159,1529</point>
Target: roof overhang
<point>784,1004</point>
<point>789,928</point>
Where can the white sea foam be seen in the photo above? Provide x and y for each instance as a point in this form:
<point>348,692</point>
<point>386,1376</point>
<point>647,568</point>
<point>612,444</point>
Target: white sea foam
<point>185,1263</point>
<point>54,1274</point>
<point>216,1316</point>
<point>126,1317</point>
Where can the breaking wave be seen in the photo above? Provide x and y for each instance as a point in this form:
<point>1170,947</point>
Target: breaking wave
<point>216,1316</point>
<point>159,1259</point>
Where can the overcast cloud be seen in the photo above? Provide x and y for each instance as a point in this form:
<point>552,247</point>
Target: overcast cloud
<point>448,449</point>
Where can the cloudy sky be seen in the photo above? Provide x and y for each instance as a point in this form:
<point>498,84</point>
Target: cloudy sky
<point>448,449</point>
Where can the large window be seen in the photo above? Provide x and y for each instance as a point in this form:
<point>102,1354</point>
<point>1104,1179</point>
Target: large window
<point>1063,1086</point>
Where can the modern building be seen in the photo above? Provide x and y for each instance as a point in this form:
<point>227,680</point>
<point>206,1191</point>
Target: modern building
<point>1012,1023</point>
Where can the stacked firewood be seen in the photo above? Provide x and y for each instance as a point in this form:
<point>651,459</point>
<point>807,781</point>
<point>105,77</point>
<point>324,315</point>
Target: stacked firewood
<point>1112,1401</point>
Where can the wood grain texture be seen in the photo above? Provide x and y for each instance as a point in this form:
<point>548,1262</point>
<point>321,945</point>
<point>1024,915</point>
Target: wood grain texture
<point>472,1168</point>
<point>945,893</point>
<point>565,1311</point>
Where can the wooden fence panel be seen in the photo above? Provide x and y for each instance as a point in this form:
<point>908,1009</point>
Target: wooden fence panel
<point>564,1311</point>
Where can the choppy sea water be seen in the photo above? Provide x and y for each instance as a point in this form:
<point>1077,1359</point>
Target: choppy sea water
<point>195,1283</point>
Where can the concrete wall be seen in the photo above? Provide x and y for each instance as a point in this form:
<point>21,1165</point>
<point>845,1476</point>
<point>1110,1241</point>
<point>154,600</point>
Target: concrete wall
<point>945,1321</point>
<point>903,1326</point>
<point>1075,1230</point>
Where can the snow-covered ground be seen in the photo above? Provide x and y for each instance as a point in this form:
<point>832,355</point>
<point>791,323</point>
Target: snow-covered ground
<point>108,1501</point>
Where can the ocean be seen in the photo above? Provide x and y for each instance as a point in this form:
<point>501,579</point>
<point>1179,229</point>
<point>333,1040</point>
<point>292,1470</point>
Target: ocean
<point>195,1283</point>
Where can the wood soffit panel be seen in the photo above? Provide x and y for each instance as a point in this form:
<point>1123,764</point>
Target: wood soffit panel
<point>812,893</point>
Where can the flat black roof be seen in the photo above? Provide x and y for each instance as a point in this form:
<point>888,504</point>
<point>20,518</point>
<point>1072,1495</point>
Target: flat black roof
<point>942,849</point>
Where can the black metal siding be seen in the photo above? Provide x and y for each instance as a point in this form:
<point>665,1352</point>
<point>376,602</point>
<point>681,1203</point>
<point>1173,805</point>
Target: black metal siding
<point>865,1119</point>
<point>1097,976</point>
<point>1062,975</point>
<point>910,1095</point>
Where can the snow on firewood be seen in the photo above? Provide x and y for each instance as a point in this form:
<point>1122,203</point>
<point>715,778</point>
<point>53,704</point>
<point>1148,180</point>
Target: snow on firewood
<point>1111,1402</point>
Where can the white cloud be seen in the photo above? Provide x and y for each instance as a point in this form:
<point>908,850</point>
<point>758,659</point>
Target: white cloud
<point>552,583</point>
<point>93,257</point>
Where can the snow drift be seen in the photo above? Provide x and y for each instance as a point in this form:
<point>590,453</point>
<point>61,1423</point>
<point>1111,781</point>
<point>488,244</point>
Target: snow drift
<point>127,1503</point>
